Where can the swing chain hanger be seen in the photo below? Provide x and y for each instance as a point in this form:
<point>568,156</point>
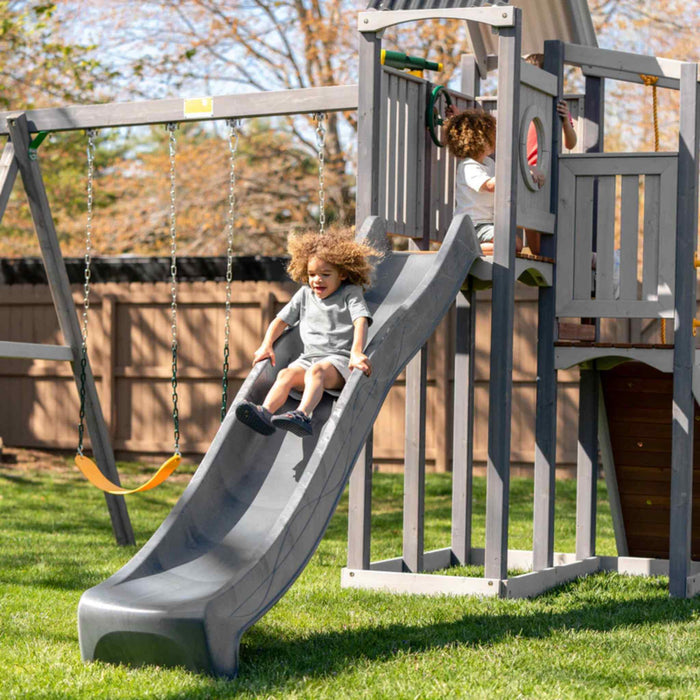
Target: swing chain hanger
<point>233,134</point>
<point>172,150</point>
<point>321,146</point>
<point>91,133</point>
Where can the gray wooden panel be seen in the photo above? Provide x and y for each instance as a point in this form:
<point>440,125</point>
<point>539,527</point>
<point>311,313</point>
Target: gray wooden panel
<point>242,106</point>
<point>8,174</point>
<point>605,261</point>
<point>502,16</point>
<point>629,230</point>
<point>583,240</point>
<point>651,237</point>
<point>667,233</point>
<point>384,149</point>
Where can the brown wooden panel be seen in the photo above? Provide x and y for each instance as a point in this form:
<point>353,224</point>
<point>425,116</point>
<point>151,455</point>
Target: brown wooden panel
<point>638,401</point>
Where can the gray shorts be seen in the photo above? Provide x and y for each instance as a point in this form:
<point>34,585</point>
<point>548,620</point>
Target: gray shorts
<point>338,361</point>
<point>484,232</point>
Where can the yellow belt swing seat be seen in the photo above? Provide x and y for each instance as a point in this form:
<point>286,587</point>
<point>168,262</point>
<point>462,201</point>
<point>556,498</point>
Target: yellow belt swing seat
<point>86,465</point>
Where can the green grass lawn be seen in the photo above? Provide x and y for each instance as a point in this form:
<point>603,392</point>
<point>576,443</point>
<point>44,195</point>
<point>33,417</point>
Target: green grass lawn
<point>603,636</point>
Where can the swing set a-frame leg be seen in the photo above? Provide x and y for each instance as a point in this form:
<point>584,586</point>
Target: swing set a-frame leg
<point>67,317</point>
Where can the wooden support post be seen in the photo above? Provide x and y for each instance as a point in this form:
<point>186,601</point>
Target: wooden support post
<point>368,170</point>
<point>587,464</point>
<point>414,462</point>
<point>471,79</point>
<point>684,343</point>
<point>360,510</point>
<point>463,432</point>
<point>68,319</point>
<point>501,366</point>
<point>546,412</point>
<point>8,175</point>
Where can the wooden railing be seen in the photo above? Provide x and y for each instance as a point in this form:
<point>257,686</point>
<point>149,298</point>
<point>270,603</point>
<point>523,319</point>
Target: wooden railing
<point>635,230</point>
<point>416,177</point>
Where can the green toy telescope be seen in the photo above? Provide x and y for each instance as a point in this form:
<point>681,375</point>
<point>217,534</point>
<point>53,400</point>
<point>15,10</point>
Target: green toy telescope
<point>394,59</point>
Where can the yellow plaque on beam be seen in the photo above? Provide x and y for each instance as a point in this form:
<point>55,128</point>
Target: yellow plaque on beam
<point>199,107</point>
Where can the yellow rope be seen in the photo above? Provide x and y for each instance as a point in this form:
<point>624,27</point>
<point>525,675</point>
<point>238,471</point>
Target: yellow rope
<point>650,81</point>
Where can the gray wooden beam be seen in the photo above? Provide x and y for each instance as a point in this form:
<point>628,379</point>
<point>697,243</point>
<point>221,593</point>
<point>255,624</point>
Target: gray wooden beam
<point>587,464</point>
<point>608,460</point>
<point>243,106</point>
<point>684,343</point>
<point>8,174</point>
<point>368,127</point>
<point>373,21</point>
<point>470,76</point>
<point>68,319</point>
<point>360,509</point>
<point>546,406</point>
<point>502,305</point>
<point>35,351</point>
<point>463,430</point>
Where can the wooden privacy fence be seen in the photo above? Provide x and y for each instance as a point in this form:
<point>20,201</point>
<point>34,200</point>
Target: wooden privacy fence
<point>129,346</point>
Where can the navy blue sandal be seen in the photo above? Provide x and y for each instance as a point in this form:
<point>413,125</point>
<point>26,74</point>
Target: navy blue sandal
<point>296,422</point>
<point>256,417</point>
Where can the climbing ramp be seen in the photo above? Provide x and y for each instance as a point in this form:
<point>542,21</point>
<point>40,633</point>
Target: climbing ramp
<point>638,401</point>
<point>257,507</point>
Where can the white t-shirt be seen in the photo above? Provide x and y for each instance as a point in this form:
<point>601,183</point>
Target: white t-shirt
<point>471,175</point>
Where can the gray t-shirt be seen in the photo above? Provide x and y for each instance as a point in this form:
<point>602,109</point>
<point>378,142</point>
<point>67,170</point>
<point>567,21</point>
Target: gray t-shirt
<point>326,325</point>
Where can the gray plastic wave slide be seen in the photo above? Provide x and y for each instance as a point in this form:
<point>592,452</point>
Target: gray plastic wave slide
<point>257,507</point>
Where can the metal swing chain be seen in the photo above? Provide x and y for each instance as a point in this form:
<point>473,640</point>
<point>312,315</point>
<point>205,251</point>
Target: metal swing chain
<point>172,149</point>
<point>320,146</point>
<point>233,126</point>
<point>86,282</point>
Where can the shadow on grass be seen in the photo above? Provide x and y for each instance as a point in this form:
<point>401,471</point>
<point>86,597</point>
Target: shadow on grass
<point>322,655</point>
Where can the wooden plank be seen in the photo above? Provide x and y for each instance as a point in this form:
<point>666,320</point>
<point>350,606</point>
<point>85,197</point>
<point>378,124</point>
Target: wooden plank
<point>565,237</point>
<point>583,241</point>
<point>587,465</point>
<point>684,350</point>
<point>538,79</point>
<point>593,164</point>
<point>68,320</point>
<point>463,431</point>
<point>360,509</point>
<point>414,466</point>
<point>393,176</point>
<point>629,230</point>
<point>546,401</point>
<point>35,351</point>
<point>667,231</point>
<point>651,237</point>
<point>414,120</point>
<point>8,175</point>
<point>476,41</point>
<point>368,127</point>
<point>241,106</point>
<point>401,147</point>
<point>605,249</point>
<point>608,460</point>
<point>372,21</point>
<point>501,363</point>
<point>385,151</point>
<point>419,584</point>
<point>622,65</point>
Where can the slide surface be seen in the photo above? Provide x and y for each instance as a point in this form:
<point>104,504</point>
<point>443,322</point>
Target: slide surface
<point>257,507</point>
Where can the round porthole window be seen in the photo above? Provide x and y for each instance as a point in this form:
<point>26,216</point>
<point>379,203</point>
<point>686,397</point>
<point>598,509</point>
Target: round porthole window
<point>534,145</point>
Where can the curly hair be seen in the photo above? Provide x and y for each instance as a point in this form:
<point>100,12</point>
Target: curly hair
<point>336,246</point>
<point>470,133</point>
